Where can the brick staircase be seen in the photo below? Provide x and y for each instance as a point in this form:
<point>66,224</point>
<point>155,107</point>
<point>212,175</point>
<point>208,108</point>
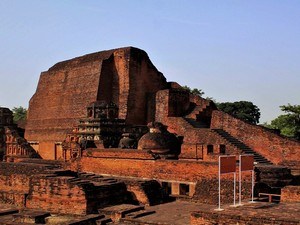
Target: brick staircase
<point>196,110</point>
<point>259,159</point>
<point>200,116</point>
<point>107,190</point>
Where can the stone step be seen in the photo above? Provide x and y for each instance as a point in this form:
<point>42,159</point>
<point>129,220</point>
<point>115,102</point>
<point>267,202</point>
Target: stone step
<point>240,145</point>
<point>120,211</point>
<point>30,216</point>
<point>107,184</point>
<point>16,223</point>
<point>79,182</point>
<point>8,211</point>
<point>89,219</point>
<point>104,221</point>
<point>139,214</point>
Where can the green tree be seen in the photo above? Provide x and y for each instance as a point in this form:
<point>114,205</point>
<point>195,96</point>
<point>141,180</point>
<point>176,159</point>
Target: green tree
<point>194,91</point>
<point>19,113</point>
<point>289,123</point>
<point>243,110</point>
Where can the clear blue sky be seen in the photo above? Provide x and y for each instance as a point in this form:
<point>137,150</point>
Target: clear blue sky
<point>233,50</point>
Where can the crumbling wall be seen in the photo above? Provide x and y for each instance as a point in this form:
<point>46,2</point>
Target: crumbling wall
<point>15,180</point>
<point>56,194</point>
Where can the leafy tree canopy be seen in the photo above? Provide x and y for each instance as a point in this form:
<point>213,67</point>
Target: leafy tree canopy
<point>19,113</point>
<point>289,123</point>
<point>194,91</point>
<point>243,110</point>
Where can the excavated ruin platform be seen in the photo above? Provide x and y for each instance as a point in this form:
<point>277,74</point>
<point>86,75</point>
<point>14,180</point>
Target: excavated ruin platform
<point>250,214</point>
<point>183,213</point>
<point>10,215</point>
<point>179,213</point>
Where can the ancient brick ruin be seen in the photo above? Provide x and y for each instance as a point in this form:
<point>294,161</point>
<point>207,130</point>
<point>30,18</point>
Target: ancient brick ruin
<point>106,133</point>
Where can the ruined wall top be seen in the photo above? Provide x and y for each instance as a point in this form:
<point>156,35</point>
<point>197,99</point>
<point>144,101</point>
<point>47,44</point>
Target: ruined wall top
<point>6,116</point>
<point>96,56</point>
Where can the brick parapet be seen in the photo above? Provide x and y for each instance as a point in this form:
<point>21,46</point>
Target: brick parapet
<point>177,170</point>
<point>118,153</point>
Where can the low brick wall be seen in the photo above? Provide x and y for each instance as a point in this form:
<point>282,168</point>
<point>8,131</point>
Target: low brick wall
<point>117,153</point>
<point>207,191</point>
<point>290,194</point>
<point>56,194</point>
<point>16,176</point>
<point>13,197</point>
<point>203,174</point>
<point>209,218</point>
<point>177,170</point>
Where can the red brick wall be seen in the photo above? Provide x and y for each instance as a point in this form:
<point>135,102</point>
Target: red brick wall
<point>277,149</point>
<point>290,194</point>
<point>207,190</point>
<point>61,98</point>
<point>15,181</point>
<point>146,168</point>
<point>204,174</point>
<point>194,138</point>
<point>13,197</point>
<point>171,103</point>
<point>16,176</point>
<point>56,194</point>
<point>144,80</point>
<point>121,84</point>
<point>108,81</point>
<point>125,76</point>
<point>179,102</point>
<point>162,106</point>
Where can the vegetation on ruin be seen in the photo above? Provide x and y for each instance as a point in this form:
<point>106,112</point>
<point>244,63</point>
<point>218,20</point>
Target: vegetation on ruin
<point>289,123</point>
<point>243,110</point>
<point>19,114</point>
<point>194,91</point>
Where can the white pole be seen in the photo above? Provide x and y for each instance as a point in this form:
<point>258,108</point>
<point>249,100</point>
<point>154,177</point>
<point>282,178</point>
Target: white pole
<point>240,180</point>
<point>234,187</point>
<point>219,183</point>
<point>252,185</point>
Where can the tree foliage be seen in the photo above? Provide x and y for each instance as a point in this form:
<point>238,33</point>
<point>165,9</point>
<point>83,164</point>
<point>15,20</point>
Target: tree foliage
<point>19,114</point>
<point>194,91</point>
<point>243,110</point>
<point>288,123</point>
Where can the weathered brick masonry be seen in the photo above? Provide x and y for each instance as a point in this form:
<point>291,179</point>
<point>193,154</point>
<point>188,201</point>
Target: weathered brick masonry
<point>66,89</point>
